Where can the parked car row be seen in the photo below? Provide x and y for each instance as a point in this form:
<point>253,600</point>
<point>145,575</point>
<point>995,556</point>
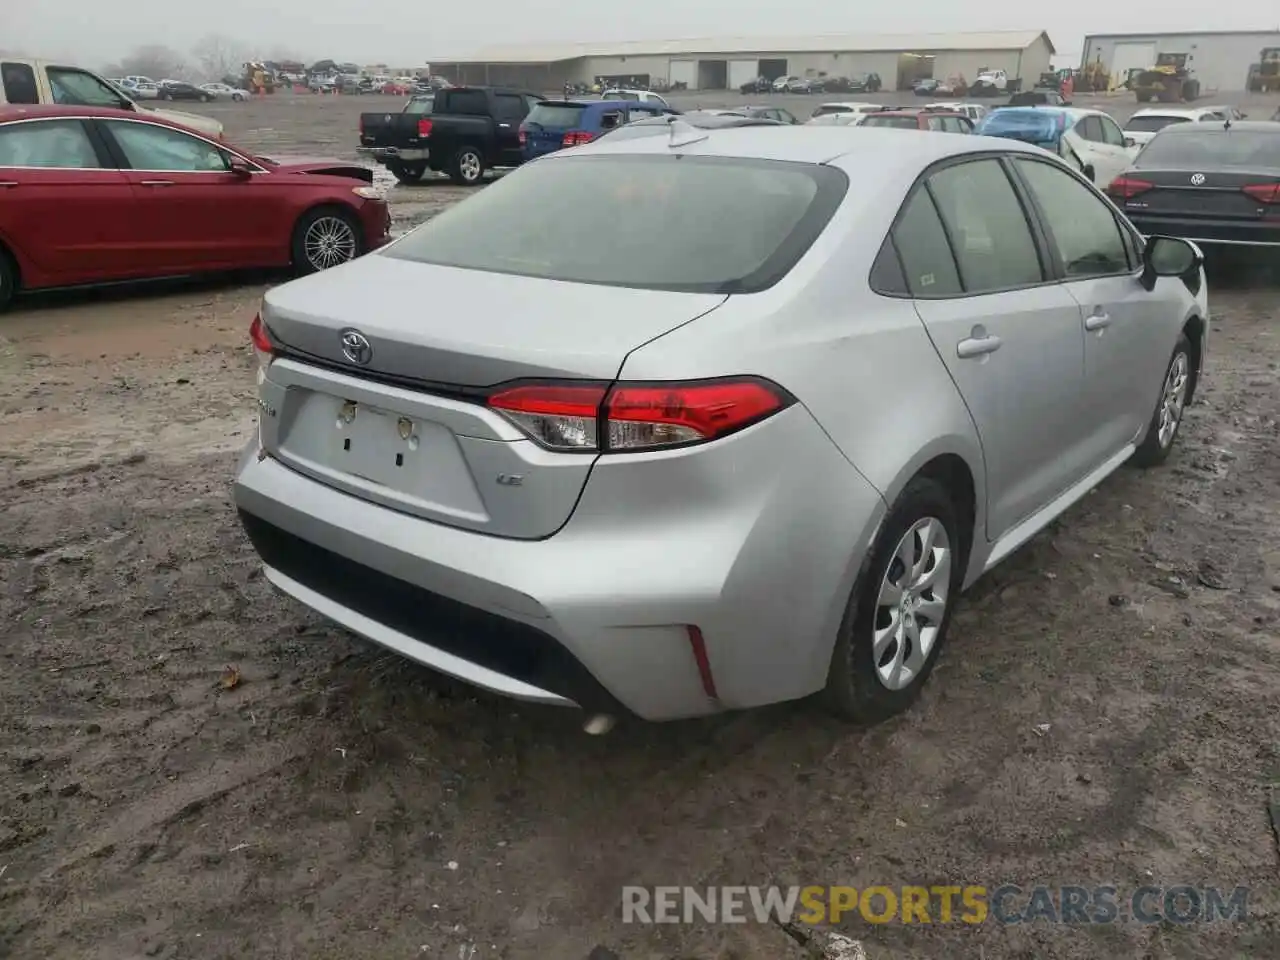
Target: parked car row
<point>655,367</point>
<point>859,83</point>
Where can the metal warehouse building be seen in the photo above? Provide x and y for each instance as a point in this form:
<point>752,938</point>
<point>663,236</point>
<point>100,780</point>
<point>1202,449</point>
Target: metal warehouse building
<point>727,63</point>
<point>1220,61</point>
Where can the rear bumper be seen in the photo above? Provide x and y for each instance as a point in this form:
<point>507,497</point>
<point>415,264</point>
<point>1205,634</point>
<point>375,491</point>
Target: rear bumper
<point>756,541</point>
<point>1210,232</point>
<point>395,154</point>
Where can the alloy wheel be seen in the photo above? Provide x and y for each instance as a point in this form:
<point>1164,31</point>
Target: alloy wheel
<point>912,603</point>
<point>328,242</point>
<point>469,165</point>
<point>1173,400</point>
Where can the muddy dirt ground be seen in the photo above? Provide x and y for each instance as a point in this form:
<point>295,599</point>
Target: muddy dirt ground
<point>1107,712</point>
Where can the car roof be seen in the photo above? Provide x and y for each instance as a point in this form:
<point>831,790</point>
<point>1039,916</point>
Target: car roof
<point>1174,111</point>
<point>44,111</point>
<point>861,148</point>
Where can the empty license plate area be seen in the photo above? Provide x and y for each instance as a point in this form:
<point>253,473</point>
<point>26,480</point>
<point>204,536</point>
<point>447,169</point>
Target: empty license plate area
<point>387,455</point>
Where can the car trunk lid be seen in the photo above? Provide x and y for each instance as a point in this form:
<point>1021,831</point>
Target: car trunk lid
<point>1223,194</point>
<point>409,428</point>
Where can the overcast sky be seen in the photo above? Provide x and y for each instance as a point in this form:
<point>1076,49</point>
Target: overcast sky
<point>411,32</point>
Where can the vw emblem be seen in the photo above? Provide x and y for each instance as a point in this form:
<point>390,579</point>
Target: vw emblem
<point>1197,179</point>
<point>356,346</point>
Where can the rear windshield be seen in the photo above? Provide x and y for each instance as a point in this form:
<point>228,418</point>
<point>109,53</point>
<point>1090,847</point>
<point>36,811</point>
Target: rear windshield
<point>658,222</point>
<point>831,108</point>
<point>904,123</point>
<point>420,105</point>
<point>1209,145</point>
<point>559,116</point>
<point>620,95</point>
<point>1152,124</point>
<point>1029,126</point>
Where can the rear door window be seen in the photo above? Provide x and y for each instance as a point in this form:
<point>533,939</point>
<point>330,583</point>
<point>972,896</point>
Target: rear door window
<point>51,144</point>
<point>611,119</point>
<point>987,226</point>
<point>467,102</point>
<point>1111,132</point>
<point>921,241</point>
<point>1090,129</point>
<point>19,83</point>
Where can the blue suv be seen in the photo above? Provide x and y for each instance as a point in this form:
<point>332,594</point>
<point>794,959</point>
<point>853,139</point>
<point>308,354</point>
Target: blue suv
<point>554,124</point>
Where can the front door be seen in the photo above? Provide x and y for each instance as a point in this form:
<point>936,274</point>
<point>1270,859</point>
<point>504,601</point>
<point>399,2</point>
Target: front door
<point>192,212</point>
<point>1009,337</point>
<point>1098,260</point>
<point>61,206</point>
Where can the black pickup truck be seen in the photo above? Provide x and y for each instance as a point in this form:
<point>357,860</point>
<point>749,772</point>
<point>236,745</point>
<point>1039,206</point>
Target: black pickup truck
<point>462,131</point>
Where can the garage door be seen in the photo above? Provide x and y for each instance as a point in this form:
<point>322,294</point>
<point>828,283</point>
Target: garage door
<point>1130,56</point>
<point>742,71</point>
<point>684,71</point>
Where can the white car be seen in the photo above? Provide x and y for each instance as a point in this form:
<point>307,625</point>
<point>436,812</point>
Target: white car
<point>842,114</point>
<point>1089,140</point>
<point>1145,124</point>
<point>224,92</point>
<point>641,96</point>
<point>973,111</point>
<point>996,78</point>
<point>140,88</point>
<point>780,85</point>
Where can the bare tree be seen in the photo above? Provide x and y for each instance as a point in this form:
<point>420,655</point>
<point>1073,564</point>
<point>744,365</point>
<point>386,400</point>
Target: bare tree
<point>219,56</point>
<point>152,60</point>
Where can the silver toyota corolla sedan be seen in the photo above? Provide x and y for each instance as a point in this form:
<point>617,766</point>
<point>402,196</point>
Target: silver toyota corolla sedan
<point>683,424</point>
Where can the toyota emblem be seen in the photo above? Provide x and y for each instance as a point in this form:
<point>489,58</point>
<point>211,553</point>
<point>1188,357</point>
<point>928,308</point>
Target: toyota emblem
<point>356,346</point>
<point>1197,179</point>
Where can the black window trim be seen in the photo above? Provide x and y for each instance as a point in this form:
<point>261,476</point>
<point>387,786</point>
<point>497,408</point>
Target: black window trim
<point>1051,246</point>
<point>35,81</point>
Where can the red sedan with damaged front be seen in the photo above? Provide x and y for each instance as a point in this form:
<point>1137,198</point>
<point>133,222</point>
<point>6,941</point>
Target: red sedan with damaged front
<point>91,195</point>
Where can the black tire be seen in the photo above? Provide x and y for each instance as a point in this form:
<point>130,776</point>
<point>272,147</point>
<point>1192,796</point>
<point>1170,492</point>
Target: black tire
<point>854,688</point>
<point>407,173</point>
<point>304,259</point>
<point>1154,451</point>
<point>468,167</point>
<point>8,280</point>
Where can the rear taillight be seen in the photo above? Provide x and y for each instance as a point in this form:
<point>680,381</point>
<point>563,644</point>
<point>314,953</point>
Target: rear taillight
<point>524,136</point>
<point>362,126</point>
<point>575,138</point>
<point>263,347</point>
<point>591,418</point>
<point>424,128</point>
<point>1126,188</point>
<point>1268,193</point>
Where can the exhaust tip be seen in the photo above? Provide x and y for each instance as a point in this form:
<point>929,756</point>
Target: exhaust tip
<point>599,724</point>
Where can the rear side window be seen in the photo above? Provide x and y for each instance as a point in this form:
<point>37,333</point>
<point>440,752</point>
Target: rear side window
<point>610,119</point>
<point>687,226</point>
<point>473,102</point>
<point>1203,145</point>
<point>19,83</point>
<point>557,116</point>
<point>921,240</point>
<point>987,227</point>
<point>1090,128</point>
<point>52,144</point>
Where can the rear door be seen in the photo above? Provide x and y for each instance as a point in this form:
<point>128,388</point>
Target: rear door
<point>509,111</point>
<point>1119,317</point>
<point>190,211</point>
<point>1009,336</point>
<point>62,206</point>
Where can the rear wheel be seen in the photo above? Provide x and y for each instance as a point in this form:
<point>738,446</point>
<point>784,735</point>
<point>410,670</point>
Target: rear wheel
<point>324,238</point>
<point>468,167</point>
<point>8,280</point>
<point>1167,419</point>
<point>900,608</point>
<point>407,172</point>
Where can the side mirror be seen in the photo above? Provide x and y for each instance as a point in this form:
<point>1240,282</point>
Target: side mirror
<point>1089,173</point>
<point>240,167</point>
<point>1130,142</point>
<point>1168,257</point>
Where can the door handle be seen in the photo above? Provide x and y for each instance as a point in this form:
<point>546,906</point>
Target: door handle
<point>505,125</point>
<point>157,183</point>
<point>1098,321</point>
<point>977,346</point>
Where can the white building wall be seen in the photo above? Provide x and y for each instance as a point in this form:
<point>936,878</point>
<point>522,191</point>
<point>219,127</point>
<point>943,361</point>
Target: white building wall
<point>658,68</point>
<point>1219,61</point>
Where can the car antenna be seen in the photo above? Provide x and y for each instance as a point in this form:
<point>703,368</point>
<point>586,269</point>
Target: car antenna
<point>1227,124</point>
<point>682,134</point>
